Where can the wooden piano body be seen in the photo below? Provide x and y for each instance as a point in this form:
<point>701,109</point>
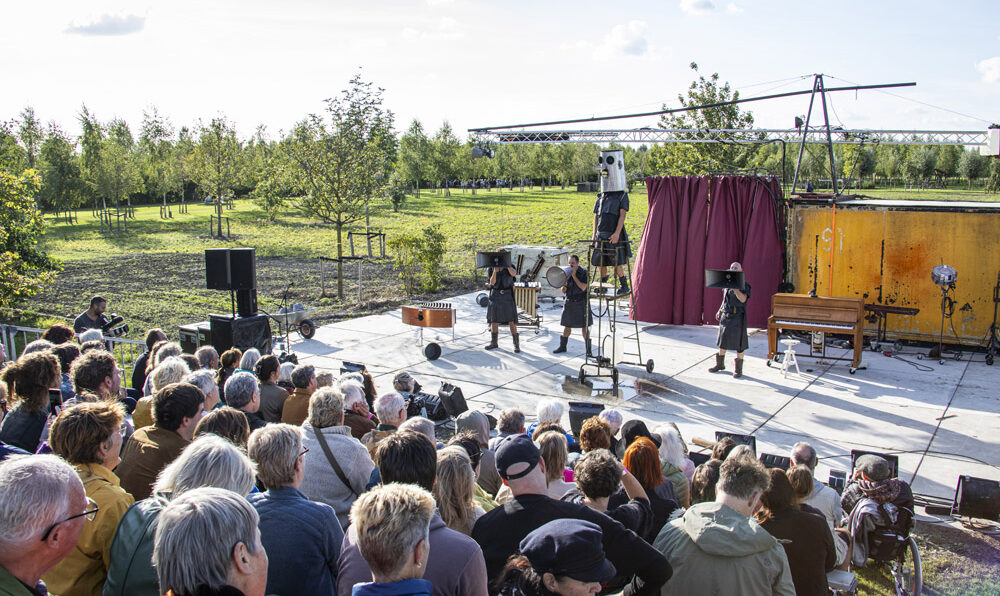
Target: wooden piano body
<point>800,312</point>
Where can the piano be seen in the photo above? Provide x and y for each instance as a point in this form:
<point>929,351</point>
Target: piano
<point>800,312</point>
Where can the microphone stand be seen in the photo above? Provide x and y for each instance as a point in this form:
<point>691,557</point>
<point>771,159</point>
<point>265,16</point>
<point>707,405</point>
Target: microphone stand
<point>284,307</point>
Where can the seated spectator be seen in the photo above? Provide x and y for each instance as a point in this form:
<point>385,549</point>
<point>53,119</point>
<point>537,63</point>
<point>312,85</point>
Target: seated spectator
<point>272,397</point>
<point>706,477</point>
<point>807,540</point>
<point>715,548</point>
<point>302,537</point>
<point>58,334</point>
<point>171,370</point>
<point>741,451</point>
<point>89,437</point>
<point>424,426</point>
<point>391,411</point>
<point>356,413</point>
<point>207,542</point>
<point>208,461</point>
<point>722,448</point>
<point>228,423</point>
<point>632,430</point>
<point>90,339</point>
<point>470,443</point>
<point>689,466</point>
<point>393,530</point>
<point>476,422</point>
<point>456,565</point>
<point>39,345</point>
<point>500,532</point>
<point>673,458</point>
<point>404,383</point>
<point>28,381</point>
<point>97,372</point>
<point>208,358</point>
<point>296,407</point>
<point>153,336</point>
<point>550,411</point>
<point>598,476</point>
<point>192,362</point>
<point>177,409</point>
<point>243,394</point>
<point>511,422</point>
<point>285,377</point>
<point>205,380</point>
<point>555,454</point>
<point>614,420</point>
<point>870,488</point>
<point>336,485</point>
<point>324,379</point>
<point>564,557</point>
<point>161,352</point>
<point>822,497</point>
<point>249,360</point>
<point>228,362</point>
<point>66,353</point>
<point>453,490</point>
<point>642,460</point>
<point>595,434</point>
<point>44,512</point>
<point>802,482</point>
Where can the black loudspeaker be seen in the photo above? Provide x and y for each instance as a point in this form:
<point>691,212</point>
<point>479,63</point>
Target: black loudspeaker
<point>724,278</point>
<point>246,303</point>
<point>452,399</point>
<point>492,259</point>
<point>580,411</point>
<point>217,269</point>
<point>699,458</point>
<point>241,332</point>
<point>243,268</point>
<point>432,351</point>
<point>221,327</point>
<point>978,498</point>
<point>748,440</point>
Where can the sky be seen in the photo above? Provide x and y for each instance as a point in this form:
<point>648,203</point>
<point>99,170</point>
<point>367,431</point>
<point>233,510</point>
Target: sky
<point>478,63</point>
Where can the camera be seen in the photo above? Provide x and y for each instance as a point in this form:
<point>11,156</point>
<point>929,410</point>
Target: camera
<point>113,327</point>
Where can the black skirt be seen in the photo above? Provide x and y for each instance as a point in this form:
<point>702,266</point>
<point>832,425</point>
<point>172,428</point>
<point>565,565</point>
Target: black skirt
<point>610,255</point>
<point>576,315</point>
<point>502,309</point>
<point>733,333</point>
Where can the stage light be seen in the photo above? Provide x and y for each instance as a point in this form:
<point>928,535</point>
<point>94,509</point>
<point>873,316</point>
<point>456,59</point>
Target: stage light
<point>978,498</point>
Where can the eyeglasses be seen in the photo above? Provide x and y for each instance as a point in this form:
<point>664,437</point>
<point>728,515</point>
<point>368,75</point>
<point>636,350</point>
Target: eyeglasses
<point>123,429</point>
<point>89,513</point>
<point>305,450</point>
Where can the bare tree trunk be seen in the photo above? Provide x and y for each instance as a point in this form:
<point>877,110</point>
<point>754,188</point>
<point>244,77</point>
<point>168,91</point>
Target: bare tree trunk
<point>340,263</point>
<point>218,210</point>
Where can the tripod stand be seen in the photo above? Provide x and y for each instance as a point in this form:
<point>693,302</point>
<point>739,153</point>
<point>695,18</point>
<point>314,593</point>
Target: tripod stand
<point>993,335</point>
<point>947,309</point>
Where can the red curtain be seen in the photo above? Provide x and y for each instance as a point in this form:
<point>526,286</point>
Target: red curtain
<point>685,234</point>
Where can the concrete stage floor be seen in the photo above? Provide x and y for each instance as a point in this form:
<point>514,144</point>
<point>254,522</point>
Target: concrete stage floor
<point>942,423</point>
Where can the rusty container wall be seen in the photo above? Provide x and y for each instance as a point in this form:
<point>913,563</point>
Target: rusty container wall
<point>884,251</point>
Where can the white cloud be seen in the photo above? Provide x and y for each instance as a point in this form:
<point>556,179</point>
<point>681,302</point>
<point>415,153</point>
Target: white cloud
<point>624,40</point>
<point>697,7</point>
<point>439,2</point>
<point>732,8</point>
<point>108,24</point>
<point>990,69</point>
<point>445,28</point>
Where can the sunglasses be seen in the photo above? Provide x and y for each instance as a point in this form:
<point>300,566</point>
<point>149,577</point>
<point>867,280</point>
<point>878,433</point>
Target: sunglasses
<point>89,513</point>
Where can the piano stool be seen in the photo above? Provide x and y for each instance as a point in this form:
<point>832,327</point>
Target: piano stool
<point>789,358</point>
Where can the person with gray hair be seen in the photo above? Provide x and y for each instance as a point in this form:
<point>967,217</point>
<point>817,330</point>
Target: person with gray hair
<point>243,393</point>
<point>249,360</point>
<point>296,407</point>
<point>356,412</point>
<point>476,422</point>
<point>90,335</point>
<point>391,411</point>
<point>210,461</point>
<point>208,358</point>
<point>328,440</point>
<point>822,497</point>
<point>419,424</point>
<point>303,537</point>
<point>207,542</point>
<point>614,419</point>
<point>715,548</point>
<point>550,411</point>
<point>285,376</point>
<point>204,379</point>
<point>43,509</point>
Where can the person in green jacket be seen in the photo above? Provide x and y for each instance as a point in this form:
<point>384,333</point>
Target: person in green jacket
<point>716,548</point>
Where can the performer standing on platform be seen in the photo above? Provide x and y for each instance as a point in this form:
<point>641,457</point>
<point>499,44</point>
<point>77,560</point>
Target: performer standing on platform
<point>610,237</point>
<point>502,309</point>
<point>732,317</point>
<point>576,313</point>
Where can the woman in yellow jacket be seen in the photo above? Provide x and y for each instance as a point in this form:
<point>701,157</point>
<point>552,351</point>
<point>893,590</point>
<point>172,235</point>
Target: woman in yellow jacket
<point>89,437</point>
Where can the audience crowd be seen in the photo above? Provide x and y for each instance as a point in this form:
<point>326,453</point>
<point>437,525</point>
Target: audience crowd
<point>236,474</point>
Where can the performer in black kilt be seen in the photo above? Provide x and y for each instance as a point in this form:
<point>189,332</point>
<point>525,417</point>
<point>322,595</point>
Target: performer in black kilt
<point>576,313</point>
<point>611,244</point>
<point>502,309</point>
<point>732,317</point>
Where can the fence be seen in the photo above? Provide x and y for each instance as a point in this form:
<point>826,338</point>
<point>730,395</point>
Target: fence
<point>213,220</point>
<point>126,351</point>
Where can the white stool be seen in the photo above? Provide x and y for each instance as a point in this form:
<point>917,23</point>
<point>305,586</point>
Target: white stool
<point>789,359</point>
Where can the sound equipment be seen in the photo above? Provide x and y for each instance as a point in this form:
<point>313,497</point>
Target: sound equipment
<point>557,276</point>
<point>195,336</point>
<point>748,440</point>
<point>349,367</point>
<point>483,299</point>
<point>492,259</point>
<point>246,303</point>
<point>944,275</point>
<point>452,399</point>
<point>892,459</point>
<point>432,351</point>
<point>217,269</point>
<point>724,278</point>
<point>699,458</point>
<point>978,498</point>
<point>579,411</point>
<point>241,332</point>
<point>243,268</point>
<point>779,462</point>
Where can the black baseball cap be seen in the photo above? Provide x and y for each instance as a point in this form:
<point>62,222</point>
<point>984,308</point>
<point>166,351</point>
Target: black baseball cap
<point>568,548</point>
<point>514,450</point>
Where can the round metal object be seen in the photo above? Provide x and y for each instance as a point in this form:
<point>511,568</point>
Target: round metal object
<point>432,351</point>
<point>649,365</point>
<point>944,275</point>
<point>307,328</point>
<point>557,276</point>
<point>483,299</point>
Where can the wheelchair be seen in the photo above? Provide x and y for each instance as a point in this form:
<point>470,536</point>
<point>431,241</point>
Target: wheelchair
<point>893,549</point>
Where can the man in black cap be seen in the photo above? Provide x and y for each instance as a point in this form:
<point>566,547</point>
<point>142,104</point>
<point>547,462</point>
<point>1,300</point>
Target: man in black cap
<point>501,531</point>
<point>873,479</point>
<point>567,556</point>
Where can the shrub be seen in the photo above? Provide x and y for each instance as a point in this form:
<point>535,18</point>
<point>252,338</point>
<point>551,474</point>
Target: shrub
<point>418,259</point>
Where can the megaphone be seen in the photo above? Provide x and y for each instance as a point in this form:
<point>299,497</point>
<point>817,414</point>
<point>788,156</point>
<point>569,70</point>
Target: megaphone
<point>557,276</point>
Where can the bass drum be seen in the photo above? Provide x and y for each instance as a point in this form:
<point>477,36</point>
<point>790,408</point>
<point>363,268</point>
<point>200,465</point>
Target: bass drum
<point>944,275</point>
<point>557,276</point>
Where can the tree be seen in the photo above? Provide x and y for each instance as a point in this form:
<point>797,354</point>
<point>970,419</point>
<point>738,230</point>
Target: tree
<point>24,269</point>
<point>60,168</point>
<point>216,159</point>
<point>274,185</point>
<point>118,176</point>
<point>12,157</point>
<point>993,183</point>
<point>971,165</point>
<point>415,155</point>
<point>445,152</point>
<point>154,142</point>
<point>682,158</point>
<point>344,164</point>
<point>90,153</point>
<point>29,130</point>
<point>920,164</point>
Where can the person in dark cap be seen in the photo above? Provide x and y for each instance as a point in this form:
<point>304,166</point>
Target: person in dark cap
<point>500,532</point>
<point>632,430</point>
<point>563,557</point>
<point>873,479</point>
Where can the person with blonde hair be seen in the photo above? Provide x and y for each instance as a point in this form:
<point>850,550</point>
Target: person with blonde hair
<point>454,490</point>
<point>393,532</point>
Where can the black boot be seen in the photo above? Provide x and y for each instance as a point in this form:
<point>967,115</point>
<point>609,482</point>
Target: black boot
<point>739,368</point>
<point>563,340</point>
<point>623,288</point>
<point>493,342</point>
<point>589,353</point>
<point>517,343</point>
<point>720,363</point>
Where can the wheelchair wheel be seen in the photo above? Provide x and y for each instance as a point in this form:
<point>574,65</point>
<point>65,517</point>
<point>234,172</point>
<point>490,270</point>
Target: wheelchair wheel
<point>907,571</point>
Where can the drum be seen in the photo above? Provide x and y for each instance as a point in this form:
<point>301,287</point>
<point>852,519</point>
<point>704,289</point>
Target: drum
<point>944,275</point>
<point>557,276</point>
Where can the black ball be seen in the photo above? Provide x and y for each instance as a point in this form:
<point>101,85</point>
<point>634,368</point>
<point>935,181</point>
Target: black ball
<point>432,351</point>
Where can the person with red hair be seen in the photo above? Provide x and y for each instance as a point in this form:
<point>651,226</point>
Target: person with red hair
<point>642,460</point>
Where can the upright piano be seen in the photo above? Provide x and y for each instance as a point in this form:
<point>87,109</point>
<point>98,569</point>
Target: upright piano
<point>801,312</point>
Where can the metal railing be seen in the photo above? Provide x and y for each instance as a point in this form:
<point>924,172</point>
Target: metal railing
<point>125,351</point>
